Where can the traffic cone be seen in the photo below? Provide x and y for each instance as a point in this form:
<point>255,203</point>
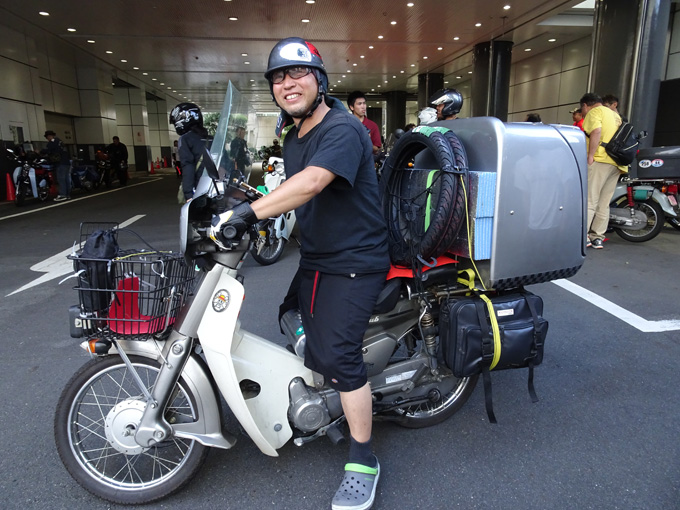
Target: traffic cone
<point>152,170</point>
<point>11,195</point>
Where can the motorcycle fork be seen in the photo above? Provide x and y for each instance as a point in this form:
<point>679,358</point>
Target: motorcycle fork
<point>153,428</point>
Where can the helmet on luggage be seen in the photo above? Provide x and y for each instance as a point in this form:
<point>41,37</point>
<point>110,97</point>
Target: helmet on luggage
<point>295,51</point>
<point>450,98</point>
<point>184,116</point>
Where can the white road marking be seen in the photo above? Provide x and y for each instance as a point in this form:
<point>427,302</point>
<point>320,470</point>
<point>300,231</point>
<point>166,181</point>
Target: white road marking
<point>58,265</point>
<point>59,204</point>
<point>621,313</point>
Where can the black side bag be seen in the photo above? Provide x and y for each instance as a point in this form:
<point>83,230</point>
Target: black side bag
<point>92,266</point>
<point>467,340</point>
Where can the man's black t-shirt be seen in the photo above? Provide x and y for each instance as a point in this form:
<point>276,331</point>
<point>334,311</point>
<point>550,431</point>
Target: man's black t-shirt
<point>342,228</point>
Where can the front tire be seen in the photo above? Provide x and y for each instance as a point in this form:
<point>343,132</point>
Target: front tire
<point>97,399</point>
<point>20,194</point>
<point>267,248</point>
<point>655,221</point>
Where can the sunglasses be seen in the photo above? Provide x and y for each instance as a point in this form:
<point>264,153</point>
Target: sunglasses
<point>294,72</point>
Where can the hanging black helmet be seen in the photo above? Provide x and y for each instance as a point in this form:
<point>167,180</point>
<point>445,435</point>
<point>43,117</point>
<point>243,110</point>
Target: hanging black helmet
<point>184,116</point>
<point>295,51</point>
<point>450,98</point>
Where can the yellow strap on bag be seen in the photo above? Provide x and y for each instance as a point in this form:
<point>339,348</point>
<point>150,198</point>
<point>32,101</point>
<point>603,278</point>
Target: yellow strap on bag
<point>470,283</point>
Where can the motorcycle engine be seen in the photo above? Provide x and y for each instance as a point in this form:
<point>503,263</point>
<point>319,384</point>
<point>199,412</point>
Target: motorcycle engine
<point>308,411</point>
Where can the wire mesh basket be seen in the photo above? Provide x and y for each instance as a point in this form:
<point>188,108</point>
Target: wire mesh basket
<point>134,296</point>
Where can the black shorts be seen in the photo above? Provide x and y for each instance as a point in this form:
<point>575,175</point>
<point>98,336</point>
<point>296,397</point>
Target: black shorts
<point>335,312</point>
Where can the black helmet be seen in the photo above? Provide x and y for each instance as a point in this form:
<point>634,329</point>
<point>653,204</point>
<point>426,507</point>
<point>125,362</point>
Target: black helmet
<point>295,51</point>
<point>184,116</point>
<point>451,98</point>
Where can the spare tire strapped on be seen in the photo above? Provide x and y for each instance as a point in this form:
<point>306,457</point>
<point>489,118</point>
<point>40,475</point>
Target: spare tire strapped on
<point>424,208</point>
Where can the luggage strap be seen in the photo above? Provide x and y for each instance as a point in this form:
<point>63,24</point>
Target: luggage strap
<point>491,340</point>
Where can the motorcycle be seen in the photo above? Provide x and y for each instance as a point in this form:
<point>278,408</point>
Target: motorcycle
<point>272,233</point>
<point>32,178</point>
<point>84,177</point>
<point>133,424</point>
<point>103,168</point>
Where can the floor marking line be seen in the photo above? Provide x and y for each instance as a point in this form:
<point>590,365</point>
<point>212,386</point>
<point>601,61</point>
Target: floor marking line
<point>59,204</point>
<point>617,311</point>
<point>58,265</point>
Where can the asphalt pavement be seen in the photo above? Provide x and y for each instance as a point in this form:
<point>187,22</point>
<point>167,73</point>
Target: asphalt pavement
<point>604,435</point>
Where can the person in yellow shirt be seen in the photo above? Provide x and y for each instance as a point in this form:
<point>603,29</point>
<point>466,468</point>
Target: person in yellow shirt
<point>600,123</point>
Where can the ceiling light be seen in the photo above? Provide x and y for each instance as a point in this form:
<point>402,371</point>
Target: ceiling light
<point>169,88</point>
<point>401,71</point>
<point>458,77</point>
<point>410,4</point>
<point>145,74</point>
<point>174,91</point>
<point>244,54</point>
<point>393,76</point>
<point>393,22</point>
<point>91,41</point>
<point>161,83</point>
<point>552,40</point>
<point>380,37</point>
<point>305,20</point>
<point>136,68</point>
<point>309,1</point>
<point>71,29</point>
<point>506,7</point>
<point>378,86</point>
<point>339,81</point>
<point>252,80</point>
<point>413,65</point>
<point>344,76</point>
<point>424,58</point>
<point>370,47</point>
<point>527,49</point>
<point>153,79</point>
<point>456,38</point>
<point>446,82</point>
<point>123,60</point>
<point>44,13</point>
<point>109,52</point>
<point>469,72</point>
<point>478,24</point>
<point>233,18</point>
<point>372,90</point>
<point>362,56</point>
<point>440,48</point>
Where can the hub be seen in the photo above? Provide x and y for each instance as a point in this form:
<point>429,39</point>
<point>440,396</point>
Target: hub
<point>122,422</point>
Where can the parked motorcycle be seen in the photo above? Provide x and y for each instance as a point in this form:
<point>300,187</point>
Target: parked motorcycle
<point>32,178</point>
<point>84,177</point>
<point>640,206</point>
<point>272,233</point>
<point>103,168</point>
<point>133,424</point>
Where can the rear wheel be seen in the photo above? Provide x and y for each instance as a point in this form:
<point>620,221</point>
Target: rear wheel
<point>94,426</point>
<point>655,221</point>
<point>452,391</point>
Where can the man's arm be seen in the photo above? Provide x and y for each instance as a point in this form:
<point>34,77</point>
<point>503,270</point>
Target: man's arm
<point>293,192</point>
<point>593,144</point>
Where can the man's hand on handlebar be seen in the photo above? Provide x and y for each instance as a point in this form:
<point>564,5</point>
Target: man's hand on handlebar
<point>228,228</point>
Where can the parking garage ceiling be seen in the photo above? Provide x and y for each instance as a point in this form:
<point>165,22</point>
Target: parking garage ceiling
<point>189,50</point>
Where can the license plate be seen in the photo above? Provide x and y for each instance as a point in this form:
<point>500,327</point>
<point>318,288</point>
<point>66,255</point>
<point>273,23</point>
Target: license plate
<point>672,200</point>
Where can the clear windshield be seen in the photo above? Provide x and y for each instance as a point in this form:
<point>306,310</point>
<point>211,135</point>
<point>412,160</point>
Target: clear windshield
<point>236,112</point>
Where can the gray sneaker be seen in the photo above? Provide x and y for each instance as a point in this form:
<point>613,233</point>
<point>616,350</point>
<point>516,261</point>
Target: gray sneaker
<point>60,198</point>
<point>357,490</point>
<point>597,244</point>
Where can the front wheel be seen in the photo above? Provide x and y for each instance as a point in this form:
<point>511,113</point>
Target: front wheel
<point>655,221</point>
<point>20,194</point>
<point>94,426</point>
<point>268,247</point>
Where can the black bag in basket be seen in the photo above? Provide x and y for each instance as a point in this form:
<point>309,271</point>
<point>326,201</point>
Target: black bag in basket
<point>474,341</point>
<point>92,267</point>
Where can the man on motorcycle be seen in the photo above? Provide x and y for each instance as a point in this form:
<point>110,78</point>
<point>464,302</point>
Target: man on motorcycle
<point>448,103</point>
<point>331,183</point>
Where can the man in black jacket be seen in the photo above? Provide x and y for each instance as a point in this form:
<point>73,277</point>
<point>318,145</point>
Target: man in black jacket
<point>58,156</point>
<point>118,155</point>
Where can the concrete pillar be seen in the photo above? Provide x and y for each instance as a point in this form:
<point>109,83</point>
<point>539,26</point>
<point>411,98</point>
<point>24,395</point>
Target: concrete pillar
<point>159,135</point>
<point>491,79</point>
<point>396,111</point>
<point>428,84</point>
<point>629,51</point>
<point>133,125</point>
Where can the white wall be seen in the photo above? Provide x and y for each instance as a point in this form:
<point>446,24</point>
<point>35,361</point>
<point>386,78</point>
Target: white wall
<point>551,83</point>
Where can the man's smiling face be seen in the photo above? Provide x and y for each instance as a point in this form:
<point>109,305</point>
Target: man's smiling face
<point>296,96</point>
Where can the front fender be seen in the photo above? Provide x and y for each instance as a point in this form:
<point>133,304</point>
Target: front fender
<point>207,430</point>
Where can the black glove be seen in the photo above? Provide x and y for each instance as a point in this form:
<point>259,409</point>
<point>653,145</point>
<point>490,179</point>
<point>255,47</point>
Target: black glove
<point>231,225</point>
